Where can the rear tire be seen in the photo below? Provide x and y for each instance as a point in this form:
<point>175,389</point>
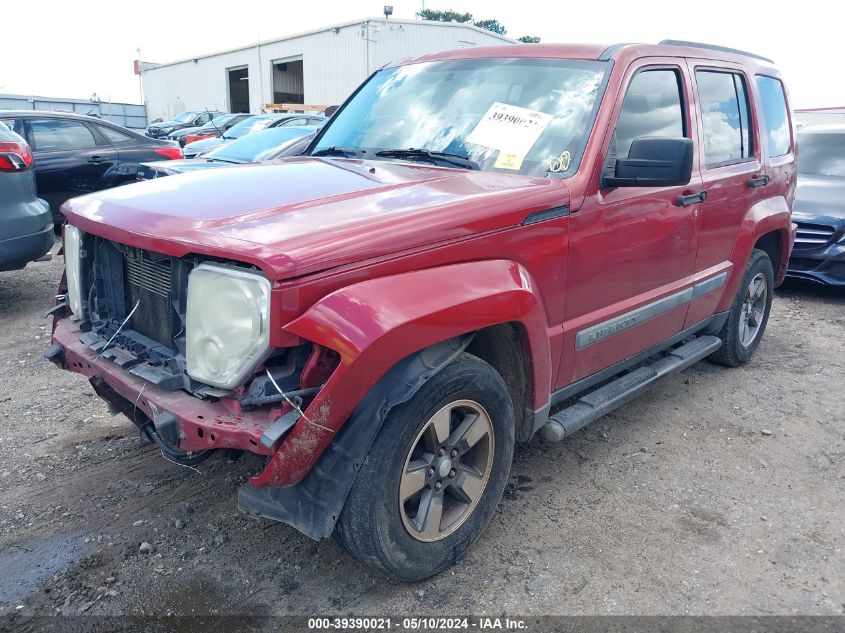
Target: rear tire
<point>434,475</point>
<point>749,314</point>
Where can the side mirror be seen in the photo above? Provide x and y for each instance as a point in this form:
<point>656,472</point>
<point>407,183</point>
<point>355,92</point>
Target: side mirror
<point>653,162</point>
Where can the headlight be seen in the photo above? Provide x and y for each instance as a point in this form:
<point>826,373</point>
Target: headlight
<point>73,268</point>
<point>227,326</point>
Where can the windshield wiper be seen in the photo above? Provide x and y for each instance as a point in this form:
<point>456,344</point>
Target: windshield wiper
<point>427,154</point>
<point>357,152</point>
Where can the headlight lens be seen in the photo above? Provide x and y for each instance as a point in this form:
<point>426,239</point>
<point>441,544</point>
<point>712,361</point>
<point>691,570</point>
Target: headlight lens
<point>227,330</point>
<point>73,268</point>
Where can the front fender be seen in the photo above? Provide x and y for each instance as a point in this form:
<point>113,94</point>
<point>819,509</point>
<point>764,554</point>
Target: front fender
<point>376,323</point>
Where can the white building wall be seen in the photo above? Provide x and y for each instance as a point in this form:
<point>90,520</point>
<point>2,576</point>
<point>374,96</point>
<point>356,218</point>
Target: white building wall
<point>335,61</point>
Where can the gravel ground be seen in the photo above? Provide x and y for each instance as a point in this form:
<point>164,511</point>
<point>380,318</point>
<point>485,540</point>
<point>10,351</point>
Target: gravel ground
<point>719,492</point>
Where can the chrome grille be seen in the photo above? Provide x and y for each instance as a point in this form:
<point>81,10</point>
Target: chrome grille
<point>148,287</point>
<point>812,235</point>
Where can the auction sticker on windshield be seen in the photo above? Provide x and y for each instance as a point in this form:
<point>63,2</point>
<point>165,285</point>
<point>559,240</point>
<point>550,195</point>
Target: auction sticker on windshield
<point>510,129</point>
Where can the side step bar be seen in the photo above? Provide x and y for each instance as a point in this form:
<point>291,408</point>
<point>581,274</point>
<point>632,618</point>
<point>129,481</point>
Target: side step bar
<point>593,405</point>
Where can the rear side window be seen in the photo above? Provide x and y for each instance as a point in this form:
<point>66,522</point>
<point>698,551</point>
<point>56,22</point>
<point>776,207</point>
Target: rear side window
<point>15,125</point>
<point>50,135</point>
<point>113,136</point>
<point>652,107</point>
<point>724,117</point>
<point>776,119</point>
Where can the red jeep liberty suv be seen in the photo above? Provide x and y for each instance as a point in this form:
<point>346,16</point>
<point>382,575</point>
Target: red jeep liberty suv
<point>480,245</point>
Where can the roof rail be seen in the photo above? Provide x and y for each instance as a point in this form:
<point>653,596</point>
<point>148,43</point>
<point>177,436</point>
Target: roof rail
<point>713,47</point>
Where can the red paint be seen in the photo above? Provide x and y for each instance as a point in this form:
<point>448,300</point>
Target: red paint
<point>376,260</point>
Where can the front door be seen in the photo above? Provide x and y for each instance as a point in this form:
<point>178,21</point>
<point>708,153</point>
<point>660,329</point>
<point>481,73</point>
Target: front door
<point>632,249</point>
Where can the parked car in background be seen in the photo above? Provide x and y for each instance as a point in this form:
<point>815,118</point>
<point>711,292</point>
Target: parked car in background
<point>250,125</point>
<point>265,145</point>
<point>77,154</point>
<point>26,225</point>
<point>819,210</point>
<point>447,271</point>
<point>189,118</point>
<point>215,128</point>
<point>180,135</point>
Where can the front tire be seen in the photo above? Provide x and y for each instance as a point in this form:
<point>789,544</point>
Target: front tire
<point>434,474</point>
<point>749,314</point>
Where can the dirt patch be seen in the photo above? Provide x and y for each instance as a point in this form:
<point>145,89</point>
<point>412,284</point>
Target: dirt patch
<point>678,503</point>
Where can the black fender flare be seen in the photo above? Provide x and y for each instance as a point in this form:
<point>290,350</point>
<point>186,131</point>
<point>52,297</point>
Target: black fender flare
<point>314,505</point>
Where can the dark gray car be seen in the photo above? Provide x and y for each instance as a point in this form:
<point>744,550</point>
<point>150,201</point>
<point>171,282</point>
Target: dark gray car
<point>819,208</point>
<point>26,225</point>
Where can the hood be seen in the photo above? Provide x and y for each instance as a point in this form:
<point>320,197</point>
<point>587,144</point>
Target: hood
<point>819,197</point>
<point>303,215</point>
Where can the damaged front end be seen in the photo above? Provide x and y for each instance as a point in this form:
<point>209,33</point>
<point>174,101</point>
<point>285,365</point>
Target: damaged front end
<point>181,346</point>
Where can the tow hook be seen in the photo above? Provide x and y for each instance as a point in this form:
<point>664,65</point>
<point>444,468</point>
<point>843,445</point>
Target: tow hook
<point>56,354</point>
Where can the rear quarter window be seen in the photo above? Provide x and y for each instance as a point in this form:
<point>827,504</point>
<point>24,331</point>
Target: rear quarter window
<point>114,136</point>
<point>775,117</point>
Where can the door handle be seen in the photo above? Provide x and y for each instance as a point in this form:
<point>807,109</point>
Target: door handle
<point>96,160</point>
<point>758,181</point>
<point>687,200</point>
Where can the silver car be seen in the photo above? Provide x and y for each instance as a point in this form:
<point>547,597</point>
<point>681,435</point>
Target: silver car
<point>26,225</point>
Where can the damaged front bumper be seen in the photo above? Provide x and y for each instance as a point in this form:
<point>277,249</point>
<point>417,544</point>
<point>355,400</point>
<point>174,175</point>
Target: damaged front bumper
<point>200,425</point>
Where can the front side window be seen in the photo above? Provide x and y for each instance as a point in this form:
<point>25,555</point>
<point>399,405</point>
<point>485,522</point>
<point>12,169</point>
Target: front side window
<point>52,135</point>
<point>515,115</point>
<point>822,154</point>
<point>724,117</point>
<point>776,118</point>
<point>652,107</point>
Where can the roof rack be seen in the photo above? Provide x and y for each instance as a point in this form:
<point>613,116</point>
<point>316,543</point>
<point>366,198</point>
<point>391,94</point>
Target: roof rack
<point>713,47</point>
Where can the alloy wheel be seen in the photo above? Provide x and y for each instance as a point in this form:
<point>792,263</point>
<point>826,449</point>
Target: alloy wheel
<point>446,470</point>
<point>753,309</point>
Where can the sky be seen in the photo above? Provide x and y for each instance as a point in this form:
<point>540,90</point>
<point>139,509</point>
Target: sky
<point>75,50</point>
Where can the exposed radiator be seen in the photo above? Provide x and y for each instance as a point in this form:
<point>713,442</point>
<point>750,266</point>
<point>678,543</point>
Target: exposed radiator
<point>150,283</point>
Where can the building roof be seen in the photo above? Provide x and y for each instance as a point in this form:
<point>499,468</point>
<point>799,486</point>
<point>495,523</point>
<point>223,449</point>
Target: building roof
<point>331,27</point>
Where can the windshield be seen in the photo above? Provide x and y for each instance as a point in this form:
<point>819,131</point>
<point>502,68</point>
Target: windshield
<point>515,115</point>
<point>822,154</point>
<point>249,148</point>
<point>288,148</point>
<point>248,126</point>
<point>185,117</point>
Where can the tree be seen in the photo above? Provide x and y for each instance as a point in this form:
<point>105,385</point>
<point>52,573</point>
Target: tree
<point>444,16</point>
<point>491,25</point>
<point>529,39</point>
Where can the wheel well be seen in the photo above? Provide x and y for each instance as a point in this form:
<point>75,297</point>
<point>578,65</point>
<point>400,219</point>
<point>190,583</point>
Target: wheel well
<point>505,348</point>
<point>771,244</point>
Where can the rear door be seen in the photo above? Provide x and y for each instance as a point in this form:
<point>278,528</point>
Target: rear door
<point>632,249</point>
<point>70,159</point>
<point>731,170</point>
